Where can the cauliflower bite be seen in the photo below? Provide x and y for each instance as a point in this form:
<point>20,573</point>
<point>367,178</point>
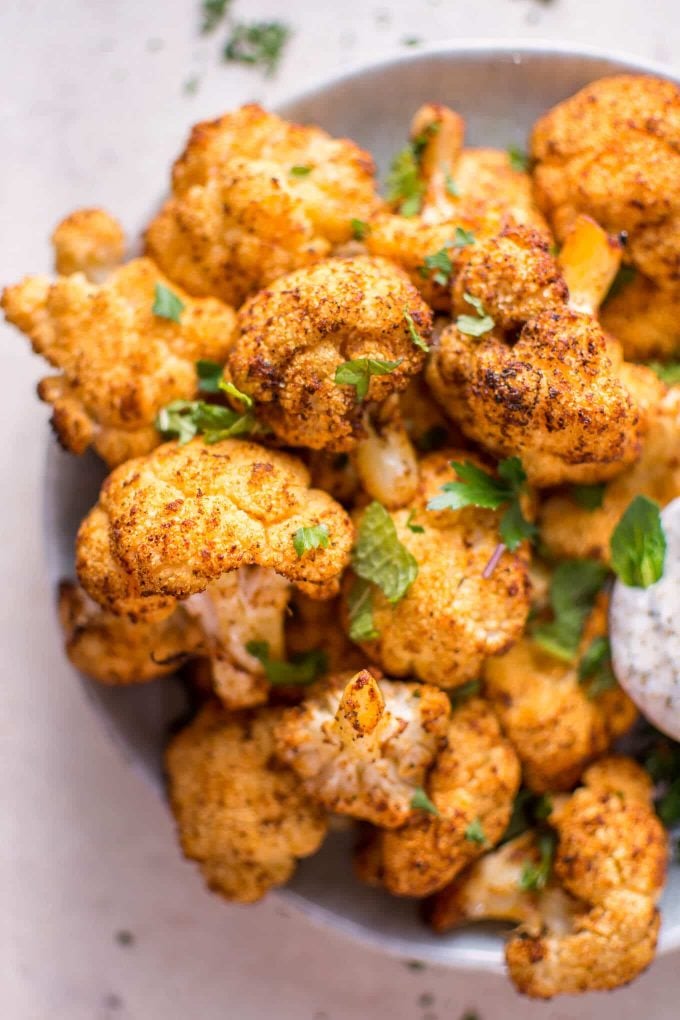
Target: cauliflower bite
<point>243,816</point>
<point>594,925</point>
<point>452,617</point>
<point>472,785</point>
<point>88,241</point>
<point>570,530</point>
<point>645,319</point>
<point>556,726</point>
<point>538,382</point>
<point>362,748</point>
<point>255,197</point>
<point>298,332</point>
<point>613,151</point>
<point>114,649</point>
<point>119,363</point>
<point>170,523</point>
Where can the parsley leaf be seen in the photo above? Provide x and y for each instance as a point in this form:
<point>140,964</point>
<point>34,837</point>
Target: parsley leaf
<point>415,335</point>
<point>303,668</point>
<point>403,184</point>
<point>213,12</point>
<point>209,376</point>
<point>528,809</point>
<point>475,832</point>
<point>638,544</point>
<point>463,238</point>
<point>421,802</point>
<point>589,497</point>
<point>360,604</point>
<point>417,529</point>
<point>438,267</point>
<point>300,171</point>
<point>358,373</point>
<point>534,877</point>
<point>595,668</point>
<point>259,44</point>
<point>233,391</point>
<point>184,419</point>
<point>359,229</point>
<point>668,372</point>
<point>313,537</point>
<point>478,488</point>
<point>574,586</point>
<point>380,557</point>
<point>167,305</point>
<point>475,325</point>
<point>450,185</point>
<point>519,159</point>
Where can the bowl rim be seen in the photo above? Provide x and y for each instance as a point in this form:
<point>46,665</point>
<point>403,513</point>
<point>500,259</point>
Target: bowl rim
<point>458,958</point>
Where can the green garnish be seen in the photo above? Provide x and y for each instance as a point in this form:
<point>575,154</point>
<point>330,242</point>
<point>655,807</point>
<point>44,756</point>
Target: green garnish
<point>624,276</point>
<point>474,325</point>
<point>573,590</point>
<point>414,334</point>
<point>534,877</point>
<point>519,159</point>
<point>463,238</point>
<point>433,438</point>
<point>475,832</point>
<point>663,765</point>
<point>478,488</point>
<point>438,267</point>
<point>300,171</point>
<point>166,305</point>
<point>668,372</point>
<point>638,544</point>
<point>360,604</point>
<point>380,557</point>
<point>411,40</point>
<point>313,537</point>
<point>259,44</point>
<point>595,668</point>
<point>184,419</point>
<point>404,184</point>
<point>209,376</point>
<point>359,229</point>
<point>358,373</point>
<point>459,695</point>
<point>421,802</point>
<point>213,12</point>
<point>450,185</point>
<point>588,496</point>
<point>417,529</point>
<point>528,809</point>
<point>233,391</point>
<point>303,668</point>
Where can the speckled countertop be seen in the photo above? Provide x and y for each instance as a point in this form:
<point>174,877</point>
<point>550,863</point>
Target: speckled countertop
<point>101,919</point>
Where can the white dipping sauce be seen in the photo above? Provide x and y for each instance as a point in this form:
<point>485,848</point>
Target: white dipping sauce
<point>645,636</point>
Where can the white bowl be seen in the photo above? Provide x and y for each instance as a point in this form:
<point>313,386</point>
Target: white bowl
<point>500,89</point>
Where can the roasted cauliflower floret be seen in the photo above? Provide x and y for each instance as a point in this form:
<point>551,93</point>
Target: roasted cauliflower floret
<point>362,748</point>
<point>312,624</point>
<point>170,523</point>
<point>451,617</point>
<point>296,334</point>
<point>472,785</point>
<point>119,362</point>
<point>556,724</point>
<point>571,530</point>
<point>88,241</point>
<point>255,197</point>
<point>613,151</point>
<point>645,319</point>
<point>243,816</point>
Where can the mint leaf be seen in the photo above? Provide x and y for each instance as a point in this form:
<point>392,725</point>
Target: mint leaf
<point>438,267</point>
<point>573,589</point>
<point>360,605</point>
<point>638,544</point>
<point>421,802</point>
<point>166,305</point>
<point>415,335</point>
<point>380,557</point>
<point>595,668</point>
<point>358,373</point>
<point>209,376</point>
<point>313,537</point>
<point>474,325</point>
<point>303,668</point>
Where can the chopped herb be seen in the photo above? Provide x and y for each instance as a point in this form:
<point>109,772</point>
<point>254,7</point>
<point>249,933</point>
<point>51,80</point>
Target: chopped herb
<point>414,334</point>
<point>638,544</point>
<point>625,275</point>
<point>313,537</point>
<point>663,765</point>
<point>380,557</point>
<point>438,267</point>
<point>404,185</point>
<point>300,171</point>
<point>359,229</point>
<point>450,185</point>
<point>519,159</point>
<point>303,668</point>
<point>573,589</point>
<point>209,376</point>
<point>411,40</point>
<point>528,809</point>
<point>233,391</point>
<point>259,44</point>
<point>360,604</point>
<point>478,488</point>
<point>191,85</point>
<point>459,695</point>
<point>463,238</point>
<point>474,325</point>
<point>214,11</point>
<point>421,802</point>
<point>184,419</point>
<point>542,807</point>
<point>534,877</point>
<point>166,305</point>
<point>358,373</point>
<point>433,438</point>
<point>475,832</point>
<point>595,668</point>
<point>668,372</point>
<point>417,529</point>
<point>588,496</point>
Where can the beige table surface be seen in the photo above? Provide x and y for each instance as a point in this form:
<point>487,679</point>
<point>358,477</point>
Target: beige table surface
<point>91,111</point>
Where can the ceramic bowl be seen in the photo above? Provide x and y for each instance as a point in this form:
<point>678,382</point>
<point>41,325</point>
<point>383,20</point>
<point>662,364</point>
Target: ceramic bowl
<point>500,89</point>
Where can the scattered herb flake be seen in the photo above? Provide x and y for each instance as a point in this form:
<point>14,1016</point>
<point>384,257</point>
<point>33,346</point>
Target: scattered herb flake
<point>438,267</point>
<point>413,332</point>
<point>668,372</point>
<point>519,159</point>
<point>459,695</point>
<point>450,185</point>
<point>359,229</point>
<point>595,668</point>
<point>638,544</point>
<point>403,185</point>
<point>214,12</point>
<point>209,376</point>
<point>417,529</point>
<point>589,497</point>
<point>314,536</point>
<point>463,238</point>
<point>360,605</point>
<point>380,557</point>
<point>300,171</point>
<point>573,589</point>
<point>184,419</point>
<point>475,325</point>
<point>303,668</point>
<point>258,44</point>
<point>411,40</point>
<point>475,832</point>
<point>166,305</point>
<point>358,373</point>
<point>534,877</point>
<point>421,802</point>
<point>233,391</point>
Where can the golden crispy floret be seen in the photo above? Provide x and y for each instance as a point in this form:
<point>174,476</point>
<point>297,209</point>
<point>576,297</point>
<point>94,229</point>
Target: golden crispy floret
<point>452,617</point>
<point>570,530</point>
<point>171,522</point>
<point>472,784</point>
<point>114,649</point>
<point>244,817</point>
<point>613,151</point>
<point>554,725</point>
<point>645,319</point>
<point>295,334</point>
<point>361,747</point>
<point>255,197</point>
<point>88,241</point>
<point>119,363</point>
